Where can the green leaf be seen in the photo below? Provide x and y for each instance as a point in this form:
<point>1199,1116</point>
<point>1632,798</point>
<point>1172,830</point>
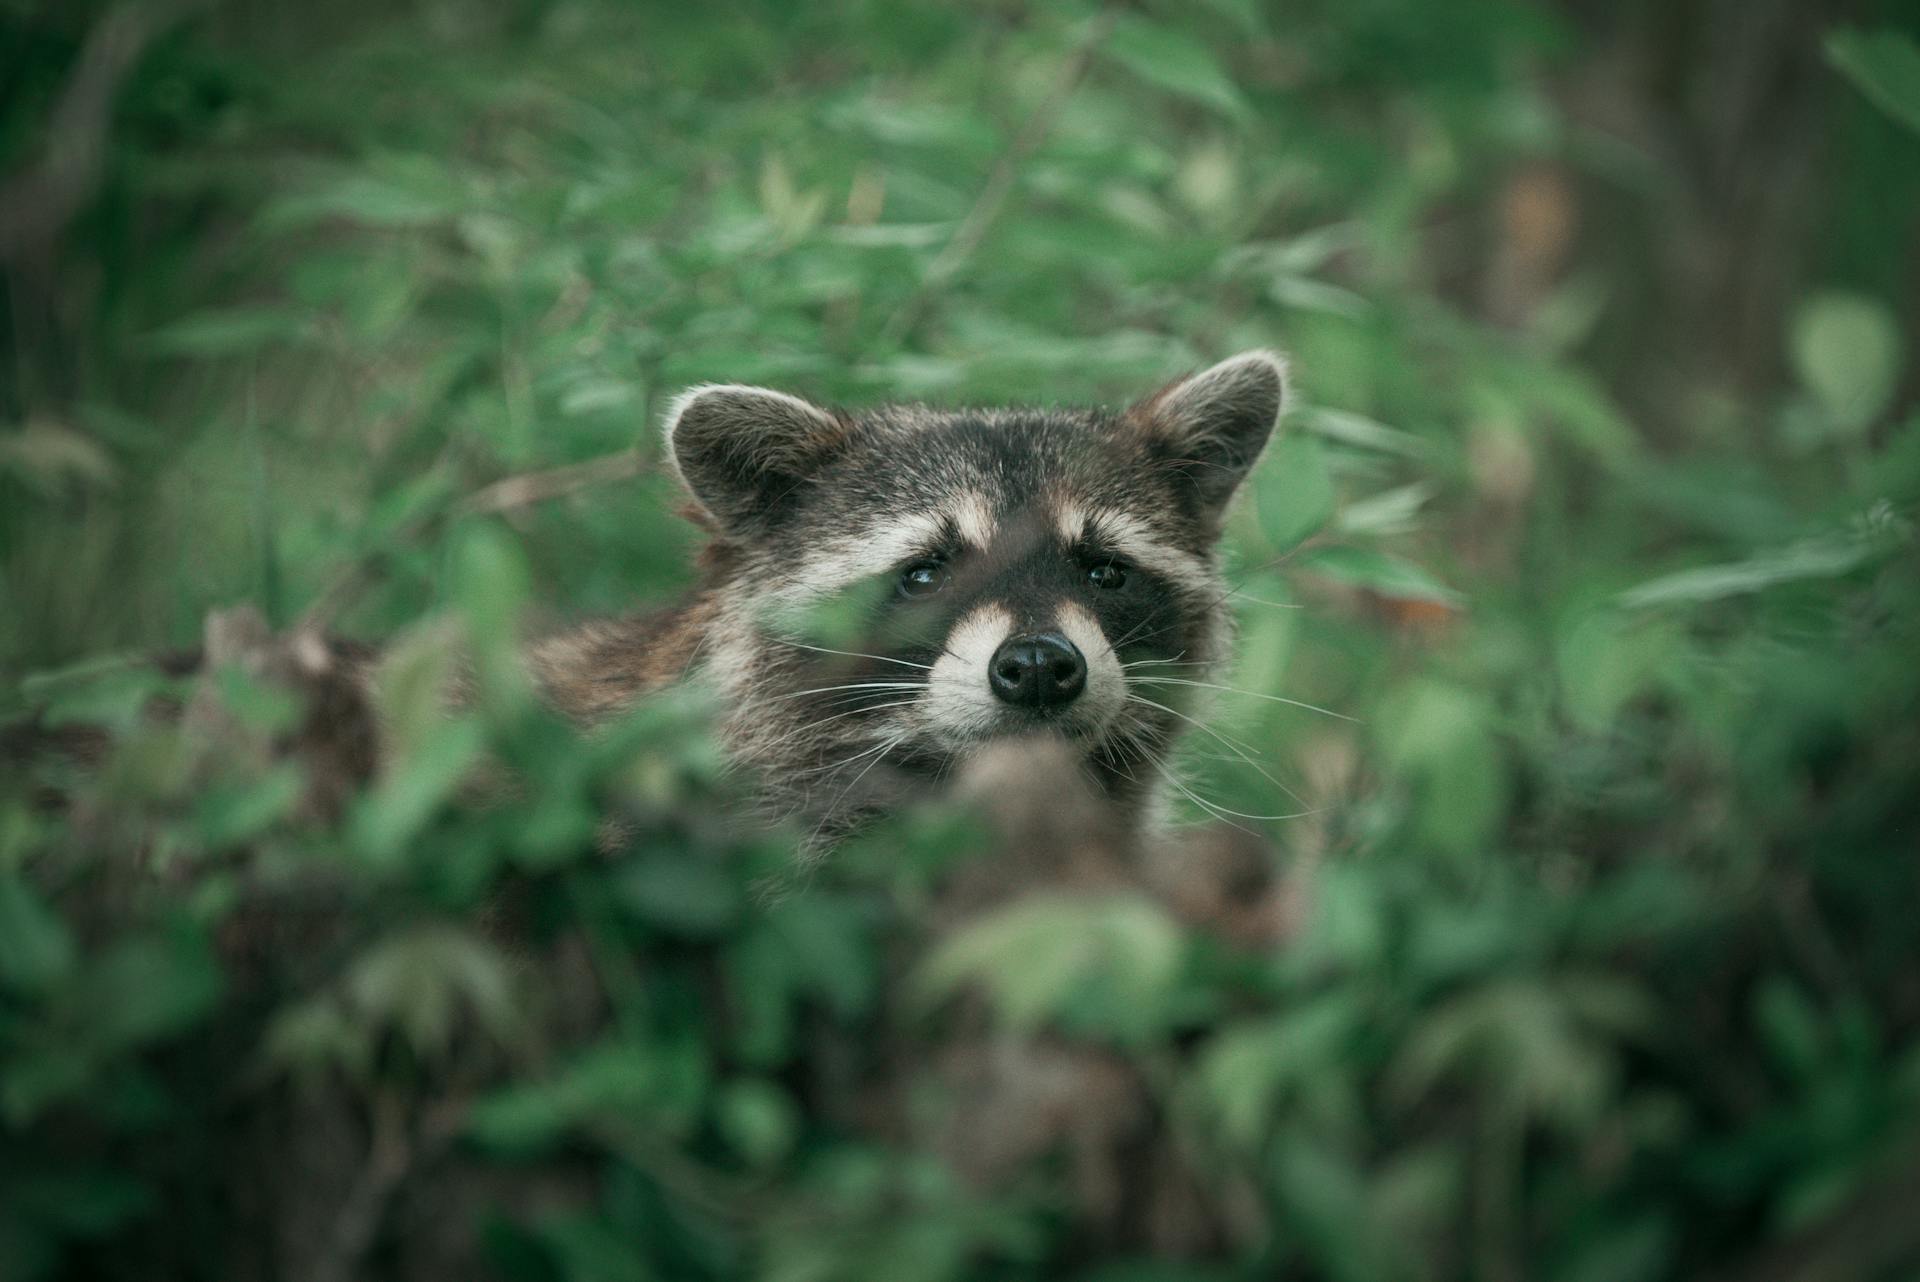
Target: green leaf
<point>1304,294</point>
<point>1517,1043</point>
<point>1249,1066</point>
<point>257,703</point>
<point>1846,351</point>
<point>1320,1185</point>
<point>757,1119</point>
<point>1604,660</point>
<point>229,331</point>
<point>1246,13</point>
<point>1394,511</point>
<point>1376,571</point>
<point>36,947</point>
<point>421,981</point>
<point>1440,736</point>
<point>111,692</point>
<point>1177,63</point>
<point>147,987</point>
<point>492,582</point>
<point>315,1036</point>
<point>1885,66</point>
<point>1347,925</point>
<point>1819,558</point>
<point>415,191</point>
<point>229,813</point>
<point>1636,1250</point>
<point>620,1085</point>
<point>81,1203</point>
<point>1294,496</point>
<point>586,1248</point>
<point>406,797</point>
<point>1792,1027</point>
<point>1358,431</point>
<point>686,893</point>
<point>1032,956</point>
<point>827,950</point>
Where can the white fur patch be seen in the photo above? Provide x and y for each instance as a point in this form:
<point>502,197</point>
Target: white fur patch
<point>879,546</point>
<point>1070,522</point>
<point>732,654</point>
<point>974,519</point>
<point>1106,690</point>
<point>960,709</point>
<point>838,563</point>
<point>1140,543</point>
<point>959,706</point>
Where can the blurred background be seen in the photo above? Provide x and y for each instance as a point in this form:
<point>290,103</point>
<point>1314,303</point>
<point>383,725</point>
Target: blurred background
<point>1591,532</point>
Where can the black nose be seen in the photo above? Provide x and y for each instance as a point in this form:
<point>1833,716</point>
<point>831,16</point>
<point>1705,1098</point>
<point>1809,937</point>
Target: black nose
<point>1039,670</point>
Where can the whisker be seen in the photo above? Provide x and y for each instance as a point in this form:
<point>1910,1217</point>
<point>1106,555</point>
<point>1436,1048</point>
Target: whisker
<point>1215,808</point>
<point>854,654</point>
<point>1135,636</point>
<point>1133,633</point>
<point>1229,589</point>
<point>1241,745</point>
<point>1141,663</point>
<point>1251,694</point>
<point>1200,801</point>
<point>858,685</point>
<point>815,725</point>
<point>835,766</point>
<point>1240,595</point>
<point>1130,747</point>
<point>1231,744</point>
<point>880,755</point>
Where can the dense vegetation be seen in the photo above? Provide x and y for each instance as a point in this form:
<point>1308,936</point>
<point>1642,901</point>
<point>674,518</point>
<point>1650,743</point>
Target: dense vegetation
<point>1591,955</point>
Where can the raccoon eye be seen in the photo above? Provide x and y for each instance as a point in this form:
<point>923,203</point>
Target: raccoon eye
<point>923,578</point>
<point>1107,577</point>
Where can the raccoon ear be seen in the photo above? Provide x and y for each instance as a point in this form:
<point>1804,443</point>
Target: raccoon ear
<point>1216,422</point>
<point>741,450</point>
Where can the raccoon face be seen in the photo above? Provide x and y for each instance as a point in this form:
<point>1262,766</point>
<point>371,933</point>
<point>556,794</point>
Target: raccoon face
<point>1005,570</point>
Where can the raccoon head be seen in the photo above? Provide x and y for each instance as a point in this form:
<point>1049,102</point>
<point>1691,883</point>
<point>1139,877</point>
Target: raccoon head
<point>1009,569</point>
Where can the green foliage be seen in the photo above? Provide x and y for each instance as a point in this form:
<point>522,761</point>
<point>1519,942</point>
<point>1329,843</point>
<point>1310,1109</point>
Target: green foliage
<point>1577,624</point>
<point>1886,67</point>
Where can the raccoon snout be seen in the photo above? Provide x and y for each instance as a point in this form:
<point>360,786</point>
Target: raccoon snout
<point>1037,670</point>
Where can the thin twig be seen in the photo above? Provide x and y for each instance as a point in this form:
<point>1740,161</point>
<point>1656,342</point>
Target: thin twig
<point>555,482</point>
<point>395,1149</point>
<point>503,495</point>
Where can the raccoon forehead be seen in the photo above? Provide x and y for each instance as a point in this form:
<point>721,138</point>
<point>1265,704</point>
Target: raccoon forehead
<point>1007,454</point>
<point>916,480</point>
<point>980,464</point>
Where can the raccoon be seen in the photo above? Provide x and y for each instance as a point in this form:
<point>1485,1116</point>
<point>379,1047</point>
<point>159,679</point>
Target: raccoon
<point>1013,570</point>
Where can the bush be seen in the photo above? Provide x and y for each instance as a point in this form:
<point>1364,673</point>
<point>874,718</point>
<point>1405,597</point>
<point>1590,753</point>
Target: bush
<point>1582,582</point>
